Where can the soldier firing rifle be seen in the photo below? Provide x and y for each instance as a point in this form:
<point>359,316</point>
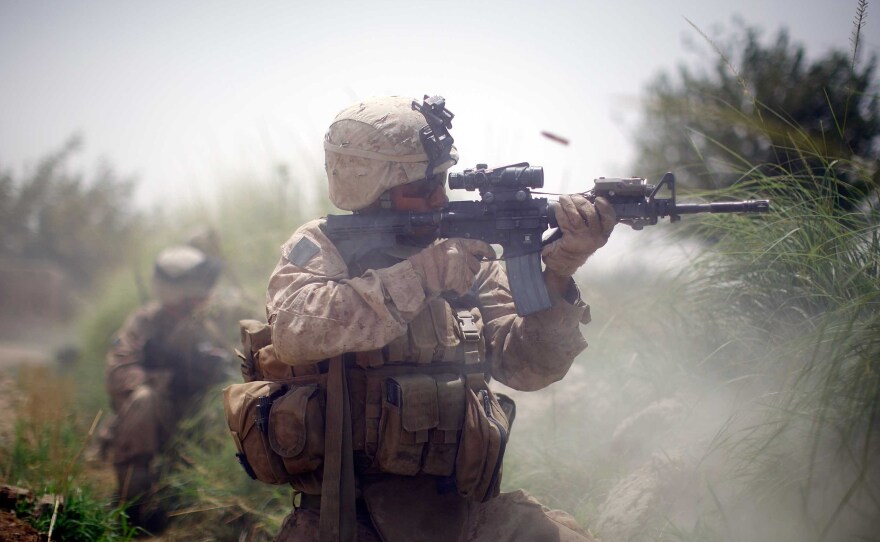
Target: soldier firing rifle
<point>507,214</point>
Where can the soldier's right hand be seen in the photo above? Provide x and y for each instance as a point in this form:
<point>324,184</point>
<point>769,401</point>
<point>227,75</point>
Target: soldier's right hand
<point>450,265</point>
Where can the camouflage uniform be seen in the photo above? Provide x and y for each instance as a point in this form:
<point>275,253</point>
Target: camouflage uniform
<point>339,311</point>
<point>319,308</point>
<point>385,306</point>
<point>160,364</point>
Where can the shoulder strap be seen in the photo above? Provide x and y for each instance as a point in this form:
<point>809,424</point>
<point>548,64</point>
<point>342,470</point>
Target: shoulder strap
<point>338,514</point>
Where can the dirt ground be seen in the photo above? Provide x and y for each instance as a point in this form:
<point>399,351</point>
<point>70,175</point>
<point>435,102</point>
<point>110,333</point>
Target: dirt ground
<point>13,529</point>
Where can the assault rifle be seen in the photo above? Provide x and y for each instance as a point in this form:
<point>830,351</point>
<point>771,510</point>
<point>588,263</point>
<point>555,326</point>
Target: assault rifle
<point>506,214</point>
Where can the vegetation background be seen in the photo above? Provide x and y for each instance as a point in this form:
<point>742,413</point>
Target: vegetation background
<point>731,389</point>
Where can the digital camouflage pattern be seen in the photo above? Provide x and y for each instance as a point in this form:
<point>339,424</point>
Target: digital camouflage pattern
<point>372,146</point>
<point>513,517</point>
<point>319,307</point>
<point>161,363</point>
<point>342,313</point>
<point>158,365</point>
<point>427,436</point>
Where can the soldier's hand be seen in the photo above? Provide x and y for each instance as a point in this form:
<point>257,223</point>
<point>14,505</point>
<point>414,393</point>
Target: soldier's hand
<point>450,265</point>
<point>585,228</point>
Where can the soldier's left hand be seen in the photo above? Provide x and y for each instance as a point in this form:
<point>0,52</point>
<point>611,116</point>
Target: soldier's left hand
<point>585,228</point>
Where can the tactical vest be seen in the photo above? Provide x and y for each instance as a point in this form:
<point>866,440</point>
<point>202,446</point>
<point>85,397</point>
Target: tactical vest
<point>419,405</point>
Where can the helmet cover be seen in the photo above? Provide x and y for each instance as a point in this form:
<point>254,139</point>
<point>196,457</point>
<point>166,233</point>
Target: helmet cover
<point>372,146</point>
<point>183,272</point>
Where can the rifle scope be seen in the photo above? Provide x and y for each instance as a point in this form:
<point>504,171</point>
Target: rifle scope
<point>514,177</point>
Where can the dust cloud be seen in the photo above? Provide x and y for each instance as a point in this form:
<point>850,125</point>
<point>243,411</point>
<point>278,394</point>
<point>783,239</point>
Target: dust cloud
<point>669,426</point>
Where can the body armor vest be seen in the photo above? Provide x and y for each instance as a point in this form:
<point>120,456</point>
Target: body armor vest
<point>418,405</point>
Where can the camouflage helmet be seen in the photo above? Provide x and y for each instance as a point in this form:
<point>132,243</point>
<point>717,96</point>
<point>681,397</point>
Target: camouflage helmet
<point>182,273</point>
<point>372,146</point>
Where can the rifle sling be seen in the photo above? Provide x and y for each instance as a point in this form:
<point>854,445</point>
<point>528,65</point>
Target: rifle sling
<point>338,512</point>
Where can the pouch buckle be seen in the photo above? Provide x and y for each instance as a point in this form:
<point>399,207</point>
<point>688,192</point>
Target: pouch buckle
<point>469,331</point>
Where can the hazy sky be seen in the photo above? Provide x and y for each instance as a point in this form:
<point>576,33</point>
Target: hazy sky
<point>182,94</point>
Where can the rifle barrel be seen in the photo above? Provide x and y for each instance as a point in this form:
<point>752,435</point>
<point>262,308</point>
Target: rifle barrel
<point>750,206</point>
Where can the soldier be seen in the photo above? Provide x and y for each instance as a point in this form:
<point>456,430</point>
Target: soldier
<point>161,363</point>
<point>416,327</point>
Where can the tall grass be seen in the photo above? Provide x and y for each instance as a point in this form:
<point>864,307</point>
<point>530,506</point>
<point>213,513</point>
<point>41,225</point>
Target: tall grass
<point>207,491</point>
<point>45,457</point>
<point>204,489</point>
<point>739,399</point>
<point>799,292</point>
<point>804,285</point>
<point>736,399</point>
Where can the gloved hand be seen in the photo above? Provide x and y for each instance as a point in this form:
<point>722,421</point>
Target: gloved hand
<point>585,228</point>
<point>450,265</point>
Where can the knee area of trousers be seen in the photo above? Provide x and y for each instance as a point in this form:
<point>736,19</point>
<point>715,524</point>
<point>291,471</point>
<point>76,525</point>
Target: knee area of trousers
<point>142,396</point>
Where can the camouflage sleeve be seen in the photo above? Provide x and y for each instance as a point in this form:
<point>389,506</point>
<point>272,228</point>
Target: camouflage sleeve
<point>124,371</point>
<point>317,310</point>
<point>529,353</point>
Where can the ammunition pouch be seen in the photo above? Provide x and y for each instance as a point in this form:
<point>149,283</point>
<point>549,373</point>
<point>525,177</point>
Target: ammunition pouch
<point>419,406</point>
<point>422,416</point>
<point>435,424</point>
<point>278,428</point>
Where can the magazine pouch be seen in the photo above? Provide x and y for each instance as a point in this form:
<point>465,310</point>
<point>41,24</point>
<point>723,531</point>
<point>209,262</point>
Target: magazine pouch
<point>296,429</point>
<point>443,442</point>
<point>409,412</point>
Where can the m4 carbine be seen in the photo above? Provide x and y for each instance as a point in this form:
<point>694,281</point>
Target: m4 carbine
<point>506,214</point>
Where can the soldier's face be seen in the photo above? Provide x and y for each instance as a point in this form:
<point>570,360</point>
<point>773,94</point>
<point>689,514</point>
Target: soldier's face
<point>420,196</point>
